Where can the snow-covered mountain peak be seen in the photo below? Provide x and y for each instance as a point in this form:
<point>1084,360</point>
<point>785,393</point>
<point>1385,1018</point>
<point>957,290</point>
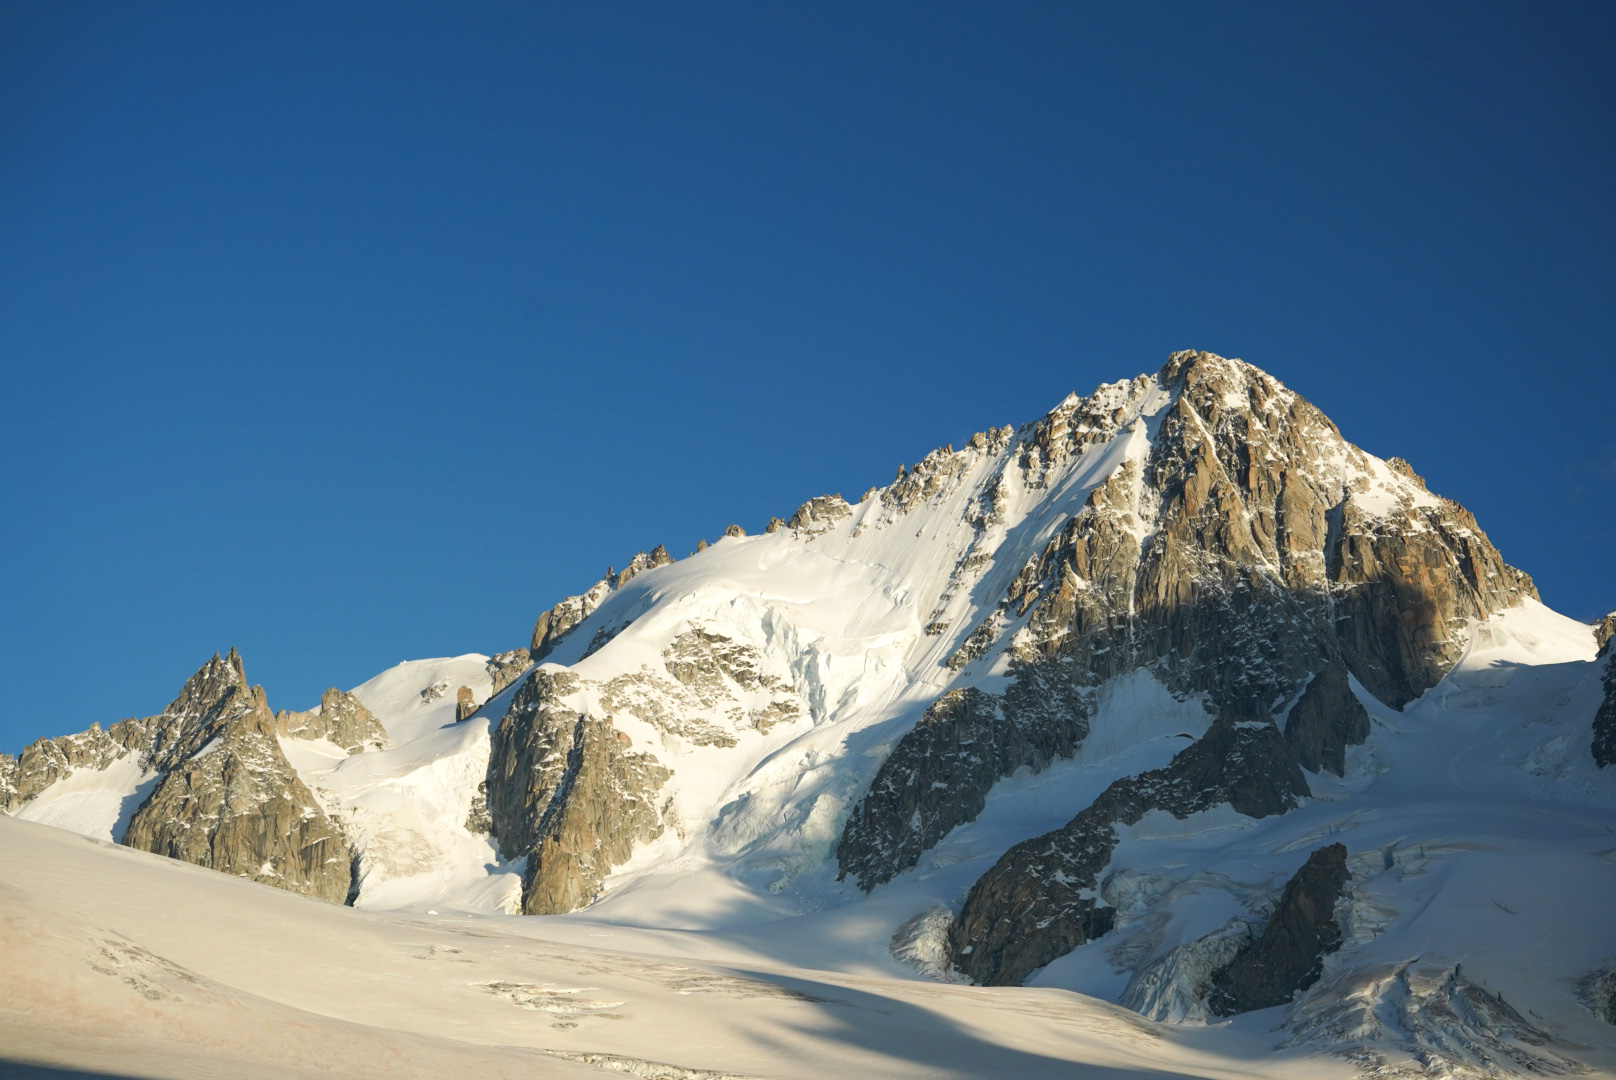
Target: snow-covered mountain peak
<point>1130,699</point>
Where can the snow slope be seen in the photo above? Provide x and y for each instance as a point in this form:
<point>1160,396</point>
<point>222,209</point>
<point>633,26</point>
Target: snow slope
<point>124,962</point>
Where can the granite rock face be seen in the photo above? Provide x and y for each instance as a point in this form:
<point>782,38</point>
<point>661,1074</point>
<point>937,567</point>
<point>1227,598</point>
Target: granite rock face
<point>46,761</point>
<point>236,806</point>
<point>1325,720</point>
<point>1604,631</point>
<point>226,797</point>
<point>1289,955</point>
<point>1245,553</point>
<point>1038,902</point>
<point>157,741</point>
<point>566,790</point>
<point>819,514</point>
<point>341,719</point>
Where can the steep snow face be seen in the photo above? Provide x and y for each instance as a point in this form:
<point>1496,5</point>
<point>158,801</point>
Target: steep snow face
<point>94,803</point>
<point>414,812</point>
<point>417,697</point>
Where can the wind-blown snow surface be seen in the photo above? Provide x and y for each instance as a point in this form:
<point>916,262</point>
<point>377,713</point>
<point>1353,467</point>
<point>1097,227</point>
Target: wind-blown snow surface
<point>124,962</point>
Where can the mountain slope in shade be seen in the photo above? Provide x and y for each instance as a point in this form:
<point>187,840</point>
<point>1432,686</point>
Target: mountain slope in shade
<point>1071,706</point>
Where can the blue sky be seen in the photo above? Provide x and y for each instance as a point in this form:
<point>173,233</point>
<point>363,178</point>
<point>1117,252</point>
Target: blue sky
<point>347,334</point>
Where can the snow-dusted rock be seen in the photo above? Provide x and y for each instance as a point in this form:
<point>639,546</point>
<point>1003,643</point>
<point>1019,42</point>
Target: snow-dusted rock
<point>1040,899</point>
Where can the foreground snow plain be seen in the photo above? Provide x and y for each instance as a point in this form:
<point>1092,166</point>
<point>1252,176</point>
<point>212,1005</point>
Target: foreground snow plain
<point>125,963</point>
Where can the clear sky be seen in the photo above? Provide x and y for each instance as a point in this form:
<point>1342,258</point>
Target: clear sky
<point>352,333</point>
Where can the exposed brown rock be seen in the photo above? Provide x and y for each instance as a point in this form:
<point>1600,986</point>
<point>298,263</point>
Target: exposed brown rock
<point>928,786</point>
<point>566,790</point>
<point>229,800</point>
<point>46,761</point>
<point>341,718</point>
<point>237,806</point>
<point>819,514</point>
<point>641,563</point>
<point>1604,631</point>
<point>734,530</point>
<point>505,668</point>
<point>559,621</point>
<point>1250,548</point>
<point>465,703</point>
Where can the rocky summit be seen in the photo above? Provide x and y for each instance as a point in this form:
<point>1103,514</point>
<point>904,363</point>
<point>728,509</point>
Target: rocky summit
<point>1172,696</point>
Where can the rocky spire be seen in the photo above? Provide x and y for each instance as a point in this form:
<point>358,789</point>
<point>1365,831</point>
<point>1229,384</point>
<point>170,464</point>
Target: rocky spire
<point>229,800</point>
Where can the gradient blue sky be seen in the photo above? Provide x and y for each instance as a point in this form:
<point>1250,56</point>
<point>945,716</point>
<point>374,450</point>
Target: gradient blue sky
<point>351,333</point>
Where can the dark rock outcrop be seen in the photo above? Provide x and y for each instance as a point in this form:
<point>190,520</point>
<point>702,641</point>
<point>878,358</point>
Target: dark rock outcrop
<point>1289,955</point>
<point>1038,902</point>
<point>928,786</point>
<point>341,718</point>
<point>566,790</point>
<point>1325,720</point>
<point>1604,742</point>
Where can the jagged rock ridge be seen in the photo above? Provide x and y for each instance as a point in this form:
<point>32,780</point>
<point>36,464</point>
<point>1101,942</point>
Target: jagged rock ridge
<point>555,624</point>
<point>566,791</point>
